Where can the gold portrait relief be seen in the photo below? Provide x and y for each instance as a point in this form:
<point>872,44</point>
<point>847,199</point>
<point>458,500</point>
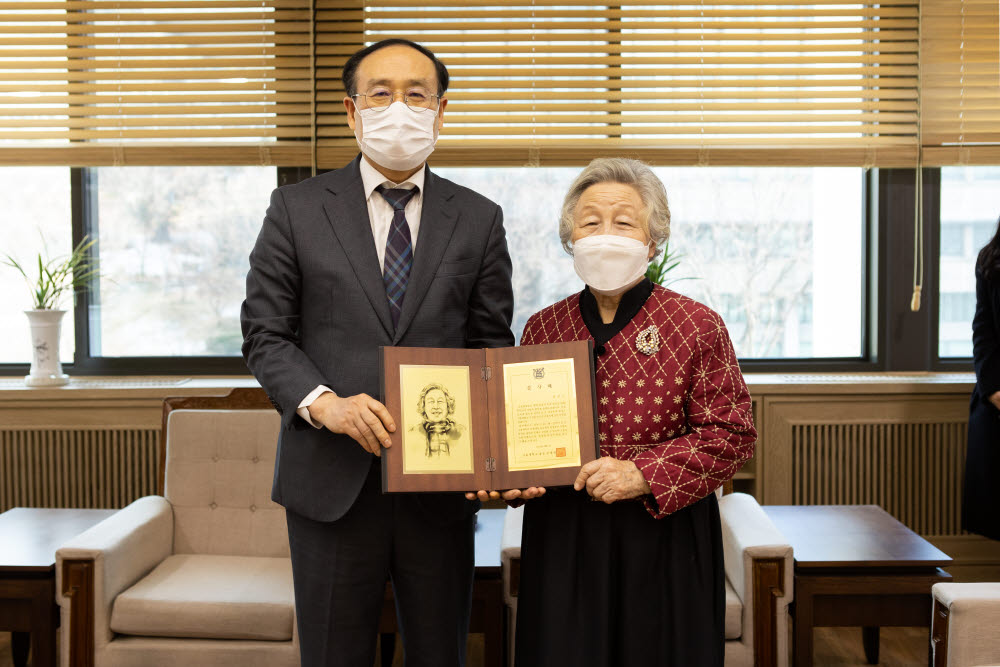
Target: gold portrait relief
<point>542,424</point>
<point>436,407</point>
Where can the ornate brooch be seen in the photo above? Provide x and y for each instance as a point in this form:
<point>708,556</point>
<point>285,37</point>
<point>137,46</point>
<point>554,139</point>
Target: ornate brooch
<point>648,341</point>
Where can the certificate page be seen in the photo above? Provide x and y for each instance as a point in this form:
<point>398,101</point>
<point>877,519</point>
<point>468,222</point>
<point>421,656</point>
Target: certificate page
<point>541,415</point>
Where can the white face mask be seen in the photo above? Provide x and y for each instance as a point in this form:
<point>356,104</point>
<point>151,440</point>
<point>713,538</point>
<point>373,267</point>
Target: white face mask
<point>397,137</point>
<point>608,263</point>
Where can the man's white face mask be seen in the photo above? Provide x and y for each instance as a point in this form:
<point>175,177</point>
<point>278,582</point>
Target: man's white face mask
<point>397,137</point>
<point>609,263</point>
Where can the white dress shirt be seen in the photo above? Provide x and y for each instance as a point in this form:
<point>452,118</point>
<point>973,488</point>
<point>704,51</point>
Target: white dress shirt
<point>380,215</point>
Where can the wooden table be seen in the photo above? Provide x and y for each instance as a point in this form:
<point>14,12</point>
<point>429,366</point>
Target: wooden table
<point>28,541</point>
<point>487,595</point>
<point>855,565</point>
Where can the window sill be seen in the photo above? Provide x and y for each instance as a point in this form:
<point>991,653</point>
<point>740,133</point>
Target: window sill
<point>159,387</point>
<point>132,387</point>
<point>853,383</point>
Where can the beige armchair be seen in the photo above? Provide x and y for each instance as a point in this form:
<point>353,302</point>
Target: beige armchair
<point>200,575</point>
<point>964,627</point>
<point>758,582</point>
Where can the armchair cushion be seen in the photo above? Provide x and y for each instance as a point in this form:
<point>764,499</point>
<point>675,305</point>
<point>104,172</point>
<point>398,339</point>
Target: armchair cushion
<point>218,473</point>
<point>210,596</point>
<point>734,613</point>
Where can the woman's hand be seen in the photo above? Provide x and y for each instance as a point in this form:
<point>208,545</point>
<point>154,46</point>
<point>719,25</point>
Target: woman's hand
<point>609,479</point>
<point>995,399</point>
<point>508,495</point>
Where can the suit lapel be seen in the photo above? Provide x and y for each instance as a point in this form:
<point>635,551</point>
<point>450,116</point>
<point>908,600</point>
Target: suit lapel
<point>347,212</point>
<point>437,222</point>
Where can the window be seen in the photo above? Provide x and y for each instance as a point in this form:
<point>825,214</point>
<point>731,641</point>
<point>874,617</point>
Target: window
<point>970,206</point>
<point>36,219</point>
<point>780,256</point>
<point>174,247</point>
<point>781,253</point>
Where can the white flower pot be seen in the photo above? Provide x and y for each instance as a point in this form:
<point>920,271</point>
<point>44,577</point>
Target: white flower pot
<point>46,371</point>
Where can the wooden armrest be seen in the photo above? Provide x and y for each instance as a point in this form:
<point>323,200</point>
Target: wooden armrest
<point>768,586</point>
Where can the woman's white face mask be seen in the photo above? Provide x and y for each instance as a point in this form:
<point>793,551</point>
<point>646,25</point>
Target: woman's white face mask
<point>397,137</point>
<point>609,263</point>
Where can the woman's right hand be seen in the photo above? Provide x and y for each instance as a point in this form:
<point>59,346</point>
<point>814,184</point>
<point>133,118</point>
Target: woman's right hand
<point>995,399</point>
<point>508,495</point>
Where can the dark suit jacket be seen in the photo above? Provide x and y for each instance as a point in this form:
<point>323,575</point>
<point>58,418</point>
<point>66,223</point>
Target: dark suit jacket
<point>316,314</point>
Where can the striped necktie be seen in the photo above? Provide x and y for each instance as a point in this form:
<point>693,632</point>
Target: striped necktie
<point>398,250</point>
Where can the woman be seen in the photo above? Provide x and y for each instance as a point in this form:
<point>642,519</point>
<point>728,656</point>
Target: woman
<point>435,407</point>
<point>637,578</point>
<point>981,496</point>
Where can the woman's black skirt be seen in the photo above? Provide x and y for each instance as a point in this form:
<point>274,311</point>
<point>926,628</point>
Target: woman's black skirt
<point>607,585</point>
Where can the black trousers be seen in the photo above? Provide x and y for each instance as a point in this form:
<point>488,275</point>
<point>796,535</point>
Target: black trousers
<point>340,569</point>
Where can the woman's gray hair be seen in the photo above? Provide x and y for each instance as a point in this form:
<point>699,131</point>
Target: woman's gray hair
<point>655,213</point>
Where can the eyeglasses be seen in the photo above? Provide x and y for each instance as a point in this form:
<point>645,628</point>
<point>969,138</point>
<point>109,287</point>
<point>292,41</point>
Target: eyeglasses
<point>418,99</point>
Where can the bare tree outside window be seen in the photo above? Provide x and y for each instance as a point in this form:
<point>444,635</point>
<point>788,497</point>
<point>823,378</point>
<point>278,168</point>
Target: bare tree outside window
<point>174,245</point>
<point>776,251</point>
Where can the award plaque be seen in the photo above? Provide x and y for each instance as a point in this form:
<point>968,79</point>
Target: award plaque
<point>497,418</point>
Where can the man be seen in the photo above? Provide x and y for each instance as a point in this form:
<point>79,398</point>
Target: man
<point>381,252</point>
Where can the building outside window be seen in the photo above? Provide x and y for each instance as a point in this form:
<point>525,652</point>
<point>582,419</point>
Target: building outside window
<point>970,206</point>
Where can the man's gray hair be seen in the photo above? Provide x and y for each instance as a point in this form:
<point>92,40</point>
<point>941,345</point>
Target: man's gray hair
<point>655,213</point>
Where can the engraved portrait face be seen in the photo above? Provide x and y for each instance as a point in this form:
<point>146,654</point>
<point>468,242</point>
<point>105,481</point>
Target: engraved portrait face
<point>435,406</point>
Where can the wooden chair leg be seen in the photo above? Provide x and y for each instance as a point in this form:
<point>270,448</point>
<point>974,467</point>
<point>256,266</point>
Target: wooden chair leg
<point>869,638</point>
<point>939,636</point>
<point>20,642</point>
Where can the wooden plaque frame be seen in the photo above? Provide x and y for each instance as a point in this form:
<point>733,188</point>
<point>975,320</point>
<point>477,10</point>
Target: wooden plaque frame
<point>488,428</point>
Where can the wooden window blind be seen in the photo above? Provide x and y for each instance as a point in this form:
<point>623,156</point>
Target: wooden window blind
<point>93,82</point>
<point>703,82</point>
<point>99,82</point>
<point>960,82</point>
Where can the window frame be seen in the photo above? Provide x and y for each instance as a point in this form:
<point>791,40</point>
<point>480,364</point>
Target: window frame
<point>893,338</point>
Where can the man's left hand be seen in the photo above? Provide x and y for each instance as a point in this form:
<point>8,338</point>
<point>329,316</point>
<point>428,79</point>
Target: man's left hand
<point>508,495</point>
<point>609,480</point>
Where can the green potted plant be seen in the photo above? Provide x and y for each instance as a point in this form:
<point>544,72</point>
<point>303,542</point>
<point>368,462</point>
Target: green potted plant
<point>660,267</point>
<point>54,278</point>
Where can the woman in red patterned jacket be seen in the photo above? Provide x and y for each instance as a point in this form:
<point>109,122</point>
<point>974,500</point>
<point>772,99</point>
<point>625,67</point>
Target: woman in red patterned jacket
<point>636,579</point>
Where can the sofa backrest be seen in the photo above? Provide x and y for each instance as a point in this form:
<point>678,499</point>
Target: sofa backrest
<point>218,469</point>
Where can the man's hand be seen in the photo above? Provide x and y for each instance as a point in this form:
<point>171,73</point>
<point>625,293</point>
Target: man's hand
<point>360,416</point>
<point>609,479</point>
<point>995,399</point>
<point>510,494</point>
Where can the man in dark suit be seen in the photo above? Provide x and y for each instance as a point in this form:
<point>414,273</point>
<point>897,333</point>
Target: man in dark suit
<point>380,252</point>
